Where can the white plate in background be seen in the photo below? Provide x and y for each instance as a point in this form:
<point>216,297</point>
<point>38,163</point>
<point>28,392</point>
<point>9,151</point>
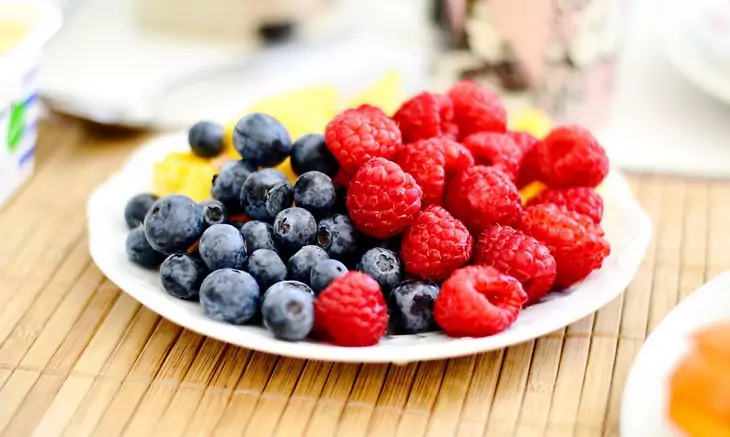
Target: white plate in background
<point>627,227</point>
<point>645,399</point>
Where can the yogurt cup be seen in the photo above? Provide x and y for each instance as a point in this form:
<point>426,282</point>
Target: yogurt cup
<point>24,28</point>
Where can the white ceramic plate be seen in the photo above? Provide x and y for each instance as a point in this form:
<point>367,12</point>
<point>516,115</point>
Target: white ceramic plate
<point>627,227</point>
<point>694,36</point>
<point>645,400</point>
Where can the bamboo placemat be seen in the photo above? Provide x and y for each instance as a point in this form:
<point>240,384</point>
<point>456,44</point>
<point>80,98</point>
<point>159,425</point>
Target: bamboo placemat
<point>79,357</point>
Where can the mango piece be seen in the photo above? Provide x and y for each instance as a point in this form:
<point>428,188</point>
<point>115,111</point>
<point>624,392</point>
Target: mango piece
<point>532,121</point>
<point>387,94</point>
<point>184,173</point>
<point>531,191</point>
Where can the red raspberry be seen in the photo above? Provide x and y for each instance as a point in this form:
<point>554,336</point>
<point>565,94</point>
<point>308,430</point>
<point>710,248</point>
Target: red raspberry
<point>458,157</point>
<point>426,162</point>
<point>529,169</point>
<point>484,196</point>
<point>570,157</point>
<point>382,199</point>
<point>520,256</point>
<point>583,200</point>
<point>435,244</point>
<point>351,311</point>
<point>477,301</point>
<point>425,116</point>
<point>577,249</point>
<point>356,135</point>
<point>477,109</point>
<point>497,150</point>
<point>342,178</point>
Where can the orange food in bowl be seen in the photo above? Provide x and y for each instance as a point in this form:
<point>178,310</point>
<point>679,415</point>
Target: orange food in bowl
<point>699,388</point>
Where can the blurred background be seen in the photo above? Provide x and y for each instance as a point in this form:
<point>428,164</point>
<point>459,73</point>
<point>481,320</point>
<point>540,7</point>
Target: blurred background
<point>648,76</point>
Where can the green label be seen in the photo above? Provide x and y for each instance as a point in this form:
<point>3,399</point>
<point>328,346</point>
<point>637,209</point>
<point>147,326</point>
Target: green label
<point>16,125</point>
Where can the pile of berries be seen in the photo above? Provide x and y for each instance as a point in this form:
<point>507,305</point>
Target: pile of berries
<point>402,225</point>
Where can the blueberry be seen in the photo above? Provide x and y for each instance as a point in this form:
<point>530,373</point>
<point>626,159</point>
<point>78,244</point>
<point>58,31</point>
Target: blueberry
<point>221,246</point>
<point>288,311</point>
<point>392,244</point>
<point>296,284</point>
<point>301,263</point>
<point>411,306</point>
<point>266,268</point>
<point>258,235</point>
<point>139,250</point>
<point>310,153</point>
<point>294,227</point>
<point>314,192</point>
<point>383,265</point>
<point>173,224</point>
<point>337,235</point>
<point>340,206</point>
<point>206,139</point>
<point>324,272</point>
<point>182,274</point>
<point>265,193</point>
<point>261,140</point>
<point>137,208</point>
<point>227,184</point>
<point>214,212</point>
<point>230,295</point>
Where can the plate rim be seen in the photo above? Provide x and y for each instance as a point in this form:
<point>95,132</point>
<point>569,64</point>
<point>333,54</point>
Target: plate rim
<point>371,354</point>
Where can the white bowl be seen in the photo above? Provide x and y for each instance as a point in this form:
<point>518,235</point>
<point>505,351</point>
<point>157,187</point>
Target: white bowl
<point>627,227</point>
<point>644,409</point>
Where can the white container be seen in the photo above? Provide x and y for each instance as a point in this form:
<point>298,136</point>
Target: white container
<point>19,109</point>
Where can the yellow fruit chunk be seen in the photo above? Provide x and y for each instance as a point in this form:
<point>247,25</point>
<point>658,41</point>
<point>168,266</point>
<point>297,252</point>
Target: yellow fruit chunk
<point>387,94</point>
<point>186,174</point>
<point>534,122</point>
<point>531,191</point>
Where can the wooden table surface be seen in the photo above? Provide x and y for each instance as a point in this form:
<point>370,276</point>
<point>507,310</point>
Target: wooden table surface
<point>79,357</point>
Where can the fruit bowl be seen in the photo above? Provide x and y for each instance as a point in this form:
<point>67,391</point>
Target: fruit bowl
<point>626,225</point>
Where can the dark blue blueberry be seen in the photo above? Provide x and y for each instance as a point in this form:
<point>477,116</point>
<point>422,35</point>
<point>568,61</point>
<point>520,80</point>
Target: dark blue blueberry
<point>411,306</point>
<point>314,192</point>
<point>206,139</point>
<point>288,311</point>
<point>324,272</point>
<point>137,208</point>
<point>301,263</point>
<point>221,246</point>
<point>310,153</point>
<point>227,184</point>
<point>340,206</point>
<point>265,193</point>
<point>261,140</point>
<point>383,265</point>
<point>173,224</point>
<point>230,295</point>
<point>338,236</point>
<point>182,274</point>
<point>294,227</point>
<point>258,235</point>
<point>214,212</point>
<point>266,268</point>
<point>139,250</point>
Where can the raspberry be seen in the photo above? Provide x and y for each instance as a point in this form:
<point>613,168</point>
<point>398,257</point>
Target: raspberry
<point>484,196</point>
<point>382,199</point>
<point>435,244</point>
<point>497,150</point>
<point>518,255</point>
<point>583,200</point>
<point>477,109</point>
<point>356,135</point>
<point>570,157</point>
<point>477,301</point>
<point>425,116</point>
<point>529,170</point>
<point>351,311</point>
<point>577,249</point>
<point>458,157</point>
<point>425,161</point>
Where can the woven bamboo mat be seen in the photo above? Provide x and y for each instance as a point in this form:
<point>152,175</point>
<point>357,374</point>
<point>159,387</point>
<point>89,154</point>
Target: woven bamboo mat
<point>79,357</point>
